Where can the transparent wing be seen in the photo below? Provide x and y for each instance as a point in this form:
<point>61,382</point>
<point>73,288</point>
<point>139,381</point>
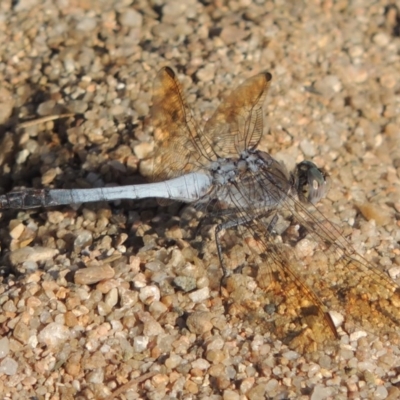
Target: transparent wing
<point>176,135</point>
<point>291,281</point>
<point>237,124</point>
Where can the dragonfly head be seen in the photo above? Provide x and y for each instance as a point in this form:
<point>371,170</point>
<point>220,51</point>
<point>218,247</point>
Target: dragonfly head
<point>311,182</point>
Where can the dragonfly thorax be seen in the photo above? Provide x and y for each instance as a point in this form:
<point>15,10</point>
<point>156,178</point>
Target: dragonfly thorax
<point>254,179</point>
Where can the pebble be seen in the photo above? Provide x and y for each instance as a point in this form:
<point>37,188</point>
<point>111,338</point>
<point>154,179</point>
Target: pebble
<point>16,228</point>
<point>111,298</point>
<point>35,254</point>
<point>328,85</point>
<point>232,34</point>
<point>46,108</point>
<point>173,361</point>
<point>321,393</point>
<point>207,73</point>
<point>199,322</point>
<point>149,294</point>
<point>200,295</point>
<point>230,395</point>
<point>143,150</point>
<point>201,364</point>
<point>185,283</point>
<point>257,392</point>
<point>6,104</point>
<point>381,392</point>
<point>8,366</point>
<point>87,24</point>
<point>91,275</point>
<point>54,335</point>
<point>357,335</point>
<point>381,39</point>
<point>131,18</point>
<point>140,343</point>
<point>4,347</point>
<point>21,332</point>
<point>82,240</point>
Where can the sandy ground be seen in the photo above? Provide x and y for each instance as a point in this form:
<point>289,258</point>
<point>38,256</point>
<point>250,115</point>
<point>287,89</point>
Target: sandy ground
<point>119,328</point>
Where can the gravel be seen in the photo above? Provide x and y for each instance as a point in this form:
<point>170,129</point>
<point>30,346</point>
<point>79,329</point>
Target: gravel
<point>116,300</point>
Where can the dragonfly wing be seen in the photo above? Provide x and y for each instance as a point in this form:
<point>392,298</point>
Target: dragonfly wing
<point>175,132</point>
<point>269,293</point>
<point>237,124</point>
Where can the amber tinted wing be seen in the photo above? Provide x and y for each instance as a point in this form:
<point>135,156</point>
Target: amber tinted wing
<point>271,294</point>
<point>237,124</point>
<point>366,296</point>
<point>289,287</point>
<point>175,134</point>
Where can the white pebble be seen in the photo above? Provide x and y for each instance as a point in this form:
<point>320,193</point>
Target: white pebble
<point>200,295</point>
<point>357,335</point>
<point>140,343</point>
<point>148,294</point>
<point>54,334</point>
<point>8,366</point>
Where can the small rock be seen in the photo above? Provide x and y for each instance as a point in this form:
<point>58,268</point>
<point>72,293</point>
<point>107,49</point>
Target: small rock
<point>370,211</point>
<point>321,393</point>
<point>307,148</point>
<point>141,107</point>
<point>55,217</point>
<point>131,18</point>
<point>96,376</point>
<point>22,156</point>
<point>291,355</point>
<point>328,86</point>
<point>16,229</point>
<point>200,295</point>
<point>9,306</point>
<point>148,294</point>
<point>381,39</point>
<point>8,366</point>
<point>46,108</point>
<point>258,392</point>
<point>4,347</point>
<point>143,150</point>
<point>232,34</point>
<point>230,395</point>
<point>185,283</point>
<point>199,322</point>
<point>201,364</point>
<point>87,24</point>
<point>111,298</point>
<point>207,73</point>
<point>49,176</point>
<point>21,332</point>
<point>140,343</point>
<point>53,335</point>
<point>91,275</point>
<point>173,361</point>
<point>337,318</point>
<point>388,81</point>
<point>117,109</point>
<point>6,104</point>
<point>381,392</point>
<point>84,239</point>
<point>35,254</point>
<point>152,328</point>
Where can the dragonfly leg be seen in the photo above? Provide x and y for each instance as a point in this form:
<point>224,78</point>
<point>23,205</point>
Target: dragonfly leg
<point>232,223</point>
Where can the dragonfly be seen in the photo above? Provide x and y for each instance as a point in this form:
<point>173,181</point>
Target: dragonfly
<point>263,214</point>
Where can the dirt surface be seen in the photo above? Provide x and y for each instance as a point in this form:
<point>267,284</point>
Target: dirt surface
<point>91,304</point>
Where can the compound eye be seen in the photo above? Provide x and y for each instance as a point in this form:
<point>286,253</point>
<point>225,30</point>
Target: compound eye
<point>312,183</point>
